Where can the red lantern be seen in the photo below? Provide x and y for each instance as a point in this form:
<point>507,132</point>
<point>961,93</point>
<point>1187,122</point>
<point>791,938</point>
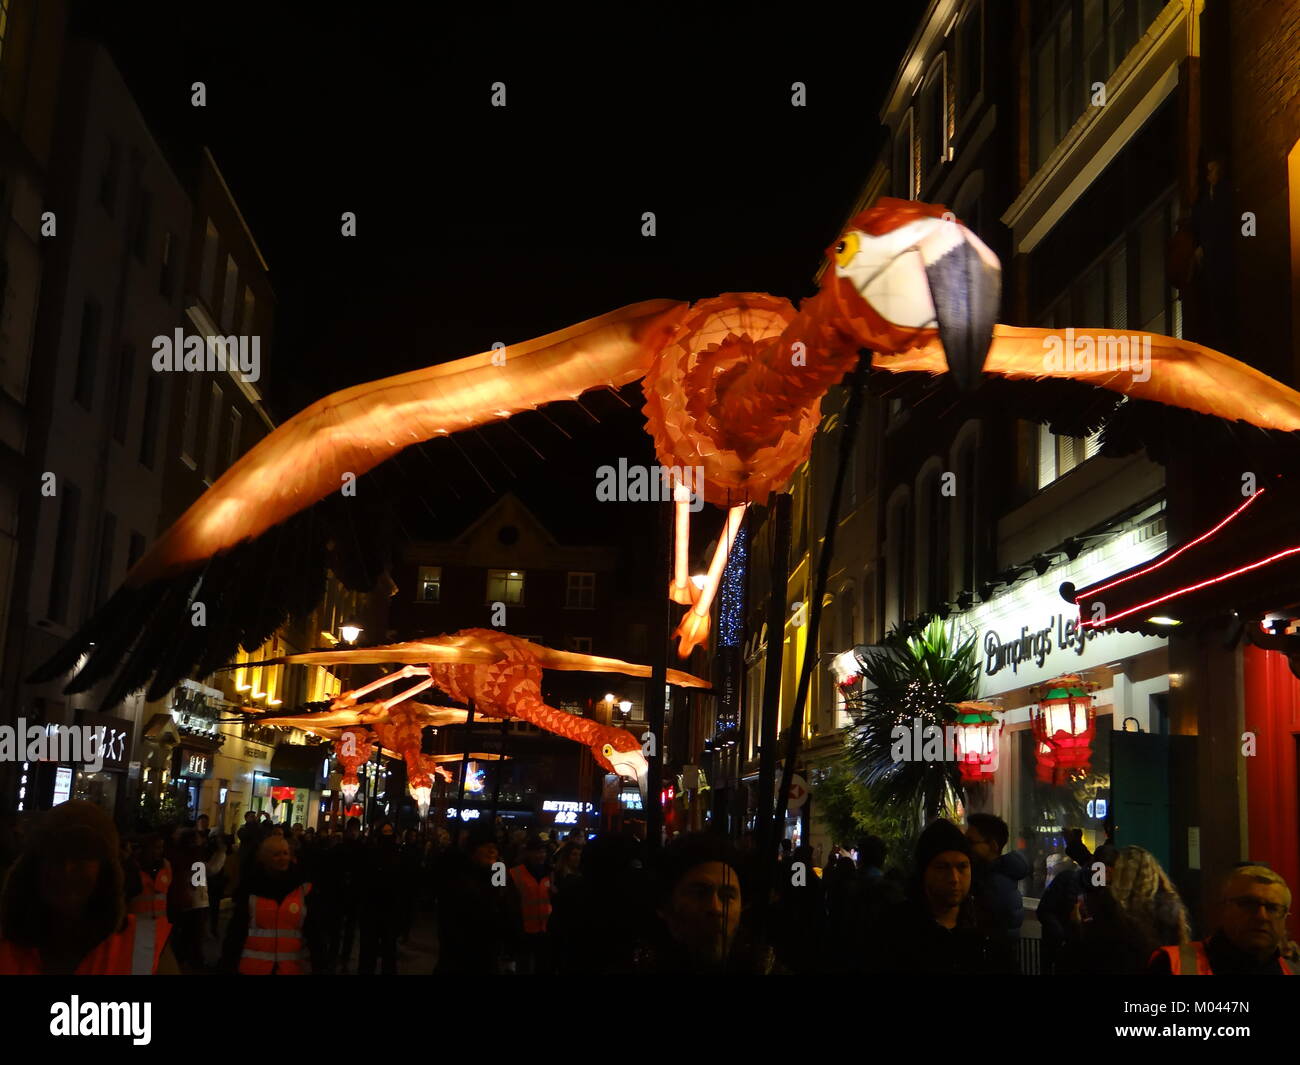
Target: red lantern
<point>353,749</point>
<point>1064,726</point>
<point>282,794</point>
<point>978,733</point>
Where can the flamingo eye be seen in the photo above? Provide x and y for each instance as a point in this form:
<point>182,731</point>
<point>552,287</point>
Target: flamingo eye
<point>846,249</point>
<point>607,751</point>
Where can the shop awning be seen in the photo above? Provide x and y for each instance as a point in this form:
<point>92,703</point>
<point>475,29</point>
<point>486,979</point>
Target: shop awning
<point>298,765</point>
<point>1247,563</point>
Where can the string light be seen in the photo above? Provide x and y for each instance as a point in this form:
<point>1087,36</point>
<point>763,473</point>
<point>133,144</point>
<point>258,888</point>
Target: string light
<point>732,601</point>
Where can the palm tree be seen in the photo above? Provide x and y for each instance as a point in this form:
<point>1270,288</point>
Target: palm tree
<point>916,675</point>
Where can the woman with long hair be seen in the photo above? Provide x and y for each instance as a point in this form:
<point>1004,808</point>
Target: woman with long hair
<point>1120,924</point>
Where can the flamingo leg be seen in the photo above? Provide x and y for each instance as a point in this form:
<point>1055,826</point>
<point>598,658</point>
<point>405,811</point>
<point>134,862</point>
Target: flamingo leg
<point>680,588</point>
<point>402,696</point>
<point>350,698</point>
<point>694,627</point>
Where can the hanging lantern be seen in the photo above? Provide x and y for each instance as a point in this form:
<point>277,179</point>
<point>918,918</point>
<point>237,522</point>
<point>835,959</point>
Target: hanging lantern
<point>352,754</point>
<point>978,734</point>
<point>283,794</point>
<point>1065,723</point>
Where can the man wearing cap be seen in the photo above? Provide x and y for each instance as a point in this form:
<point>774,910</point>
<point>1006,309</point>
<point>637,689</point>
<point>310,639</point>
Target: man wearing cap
<point>63,910</point>
<point>935,932</point>
<point>1254,902</point>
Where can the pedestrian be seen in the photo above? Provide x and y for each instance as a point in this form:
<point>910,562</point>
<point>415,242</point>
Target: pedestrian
<point>1118,924</point>
<point>1249,936</point>
<point>530,899</point>
<point>936,931</point>
<point>63,908</point>
<point>857,898</point>
<point>797,920</point>
<point>216,864</point>
<point>250,833</point>
<point>474,915</point>
<point>698,902</point>
<point>273,931</point>
<point>996,875</point>
<point>380,903</point>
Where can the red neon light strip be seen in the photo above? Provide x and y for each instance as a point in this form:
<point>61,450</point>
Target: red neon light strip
<point>1192,588</point>
<point>1169,558</point>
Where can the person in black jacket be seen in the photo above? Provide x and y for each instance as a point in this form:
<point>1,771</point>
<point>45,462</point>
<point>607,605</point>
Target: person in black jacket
<point>996,875</point>
<point>474,918</point>
<point>380,903</point>
<point>936,931</point>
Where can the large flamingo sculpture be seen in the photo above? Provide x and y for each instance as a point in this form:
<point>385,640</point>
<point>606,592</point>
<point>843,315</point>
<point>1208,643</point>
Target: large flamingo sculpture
<point>733,384</point>
<point>501,673</point>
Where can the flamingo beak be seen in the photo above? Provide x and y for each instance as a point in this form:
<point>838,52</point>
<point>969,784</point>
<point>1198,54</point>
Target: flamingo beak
<point>633,763</point>
<point>966,287</point>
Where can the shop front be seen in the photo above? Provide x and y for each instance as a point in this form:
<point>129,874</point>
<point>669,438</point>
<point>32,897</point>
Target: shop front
<point>107,786</point>
<point>1084,737</point>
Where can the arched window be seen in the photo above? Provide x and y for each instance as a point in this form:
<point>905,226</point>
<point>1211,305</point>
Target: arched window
<point>966,532</point>
<point>933,513</point>
<point>898,559</point>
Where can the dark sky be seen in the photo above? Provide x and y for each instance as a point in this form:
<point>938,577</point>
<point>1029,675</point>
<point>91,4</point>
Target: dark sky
<point>478,224</point>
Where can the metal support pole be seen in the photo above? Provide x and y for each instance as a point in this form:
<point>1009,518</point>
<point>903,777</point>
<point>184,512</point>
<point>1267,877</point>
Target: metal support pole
<point>848,435</point>
<point>464,769</point>
<point>501,758</point>
<point>658,679</point>
<point>770,722</point>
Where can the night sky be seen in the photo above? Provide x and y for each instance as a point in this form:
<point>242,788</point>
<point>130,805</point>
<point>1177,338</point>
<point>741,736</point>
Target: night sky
<point>478,224</point>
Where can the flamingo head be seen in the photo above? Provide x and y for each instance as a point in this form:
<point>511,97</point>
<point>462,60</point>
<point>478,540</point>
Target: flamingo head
<point>903,273</point>
<point>619,752</point>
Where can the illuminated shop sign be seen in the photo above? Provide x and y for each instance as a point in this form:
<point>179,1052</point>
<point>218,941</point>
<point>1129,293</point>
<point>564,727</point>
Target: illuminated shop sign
<point>1029,635</point>
<point>566,813</point>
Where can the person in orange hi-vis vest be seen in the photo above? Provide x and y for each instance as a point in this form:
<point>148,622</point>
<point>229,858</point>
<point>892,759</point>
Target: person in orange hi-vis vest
<point>530,884</point>
<point>1250,934</point>
<point>63,910</point>
<point>150,905</point>
<point>272,931</point>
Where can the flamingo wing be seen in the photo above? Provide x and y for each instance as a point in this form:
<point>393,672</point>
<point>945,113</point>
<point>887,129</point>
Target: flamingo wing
<point>1184,395</point>
<point>254,548</point>
<point>443,650</point>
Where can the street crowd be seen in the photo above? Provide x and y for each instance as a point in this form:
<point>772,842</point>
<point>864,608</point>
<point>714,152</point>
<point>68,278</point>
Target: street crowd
<point>281,899</point>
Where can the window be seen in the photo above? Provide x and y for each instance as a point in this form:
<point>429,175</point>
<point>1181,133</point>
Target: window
<point>1104,31</point>
<point>190,427</point>
<point>505,586</point>
<point>967,516</point>
<point>246,314</point>
<point>232,446</point>
<point>4,34</point>
<point>934,120</point>
<point>1159,309</point>
<point>108,176</point>
<point>122,400</point>
<point>135,549</point>
<point>104,562</point>
<point>904,176</point>
<point>970,58</point>
<point>428,588</point>
<point>208,267</point>
<point>932,533</point>
<point>64,550</point>
<point>167,266</point>
<point>579,644</point>
<point>83,389</point>
<point>898,561</point>
<point>228,295</point>
<point>149,431</point>
<point>143,213</point>
<point>581,592</point>
<point>214,434</point>
<point>1058,455</point>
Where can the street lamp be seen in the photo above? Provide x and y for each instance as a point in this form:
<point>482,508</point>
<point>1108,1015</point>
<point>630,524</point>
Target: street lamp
<point>350,632</point>
<point>625,708</point>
